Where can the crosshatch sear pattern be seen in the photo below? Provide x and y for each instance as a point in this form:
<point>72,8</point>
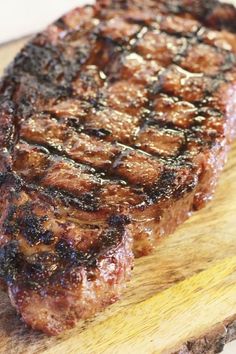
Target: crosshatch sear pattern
<point>115,124</point>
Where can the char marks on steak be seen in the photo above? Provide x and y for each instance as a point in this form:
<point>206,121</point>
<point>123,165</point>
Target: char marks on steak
<point>114,125</point>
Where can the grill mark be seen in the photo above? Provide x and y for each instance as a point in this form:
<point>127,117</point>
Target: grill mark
<point>229,63</point>
<point>57,152</point>
<point>148,110</point>
<point>200,10</point>
<point>130,47</point>
<point>86,202</point>
<point>192,38</point>
<point>129,44</point>
<point>231,57</point>
<point>145,120</point>
<point>105,176</point>
<point>147,116</point>
<point>90,202</point>
<point>100,173</point>
<point>201,40</point>
<point>149,103</point>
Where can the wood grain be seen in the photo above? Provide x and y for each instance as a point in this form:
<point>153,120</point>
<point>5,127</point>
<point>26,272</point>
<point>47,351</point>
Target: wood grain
<point>181,299</point>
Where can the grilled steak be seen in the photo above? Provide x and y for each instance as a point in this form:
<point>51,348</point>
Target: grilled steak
<point>114,125</point>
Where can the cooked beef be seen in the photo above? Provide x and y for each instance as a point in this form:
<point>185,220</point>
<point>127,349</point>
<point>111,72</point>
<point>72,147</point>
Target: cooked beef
<point>114,125</point>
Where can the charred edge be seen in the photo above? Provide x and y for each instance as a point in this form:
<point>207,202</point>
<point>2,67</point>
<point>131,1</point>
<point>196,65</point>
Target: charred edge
<point>9,226</point>
<point>60,267</point>
<point>49,73</point>
<point>40,271</point>
<point>60,23</point>
<point>10,261</point>
<point>28,103</point>
<point>199,9</point>
<point>23,220</point>
<point>68,259</point>
<point>9,126</point>
<point>69,255</point>
<point>31,226</point>
<point>119,220</point>
<point>109,239</point>
<point>3,178</point>
<point>11,179</point>
<point>34,60</point>
<point>167,187</point>
<point>163,188</point>
<point>222,15</point>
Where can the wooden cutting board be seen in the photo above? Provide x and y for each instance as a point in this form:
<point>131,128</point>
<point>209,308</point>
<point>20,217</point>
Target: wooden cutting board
<point>181,299</point>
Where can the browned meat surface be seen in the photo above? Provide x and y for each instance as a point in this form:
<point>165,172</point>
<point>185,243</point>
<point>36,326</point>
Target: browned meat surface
<point>114,125</point>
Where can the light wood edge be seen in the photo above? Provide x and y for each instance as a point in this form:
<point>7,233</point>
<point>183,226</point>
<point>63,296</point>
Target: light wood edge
<point>213,341</point>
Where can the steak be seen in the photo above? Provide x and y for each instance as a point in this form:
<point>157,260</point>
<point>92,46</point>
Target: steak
<point>115,123</point>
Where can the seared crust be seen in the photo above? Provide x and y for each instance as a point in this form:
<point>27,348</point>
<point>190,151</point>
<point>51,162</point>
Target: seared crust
<point>114,125</point>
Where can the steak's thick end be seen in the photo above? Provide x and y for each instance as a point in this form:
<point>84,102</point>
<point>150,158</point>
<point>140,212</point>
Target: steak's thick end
<point>114,125</point>
<point>58,302</point>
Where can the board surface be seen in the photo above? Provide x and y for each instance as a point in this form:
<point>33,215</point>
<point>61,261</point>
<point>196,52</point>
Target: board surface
<point>181,299</point>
